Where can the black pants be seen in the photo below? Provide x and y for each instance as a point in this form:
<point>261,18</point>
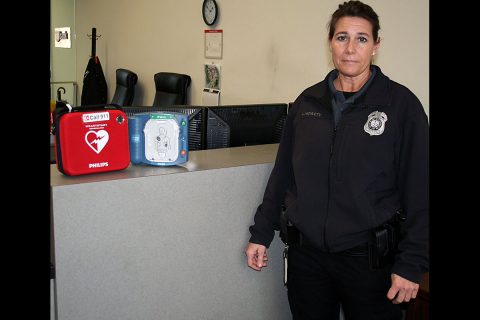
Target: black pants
<point>318,283</point>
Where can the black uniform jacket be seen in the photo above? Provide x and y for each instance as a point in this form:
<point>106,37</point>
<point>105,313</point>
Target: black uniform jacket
<point>341,182</point>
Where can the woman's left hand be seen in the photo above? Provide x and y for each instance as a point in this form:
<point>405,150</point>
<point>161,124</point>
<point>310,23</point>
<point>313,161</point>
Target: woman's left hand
<point>402,290</point>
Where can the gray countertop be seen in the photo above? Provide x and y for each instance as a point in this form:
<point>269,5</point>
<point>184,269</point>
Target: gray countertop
<point>197,161</point>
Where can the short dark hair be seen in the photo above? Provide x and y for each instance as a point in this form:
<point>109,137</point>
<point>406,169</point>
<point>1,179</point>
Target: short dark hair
<point>354,9</point>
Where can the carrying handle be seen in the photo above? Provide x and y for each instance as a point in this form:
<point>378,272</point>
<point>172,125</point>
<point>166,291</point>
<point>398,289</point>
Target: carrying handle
<point>97,107</point>
<point>62,108</point>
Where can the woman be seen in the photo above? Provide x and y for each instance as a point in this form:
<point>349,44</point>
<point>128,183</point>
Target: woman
<point>354,153</point>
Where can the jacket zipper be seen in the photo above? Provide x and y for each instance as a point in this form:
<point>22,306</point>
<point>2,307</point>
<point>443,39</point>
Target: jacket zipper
<point>328,191</point>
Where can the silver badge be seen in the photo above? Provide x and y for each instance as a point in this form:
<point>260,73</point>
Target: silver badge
<point>375,123</point>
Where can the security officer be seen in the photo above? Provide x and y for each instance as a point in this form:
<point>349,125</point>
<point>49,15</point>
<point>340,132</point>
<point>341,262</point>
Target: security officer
<point>354,152</point>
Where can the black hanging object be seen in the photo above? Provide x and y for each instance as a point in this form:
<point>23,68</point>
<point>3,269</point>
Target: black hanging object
<point>59,93</point>
<point>94,84</point>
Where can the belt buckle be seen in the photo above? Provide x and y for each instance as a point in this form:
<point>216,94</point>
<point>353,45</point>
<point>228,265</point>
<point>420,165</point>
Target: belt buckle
<point>357,251</point>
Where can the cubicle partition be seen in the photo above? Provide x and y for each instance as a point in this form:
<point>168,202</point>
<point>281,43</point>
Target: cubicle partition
<point>214,127</point>
<point>245,125</point>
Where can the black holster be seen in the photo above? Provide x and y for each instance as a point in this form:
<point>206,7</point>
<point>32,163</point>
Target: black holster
<point>288,233</point>
<point>383,242</point>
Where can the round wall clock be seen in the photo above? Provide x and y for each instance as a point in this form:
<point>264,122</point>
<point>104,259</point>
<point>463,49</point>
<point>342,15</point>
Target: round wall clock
<point>209,11</point>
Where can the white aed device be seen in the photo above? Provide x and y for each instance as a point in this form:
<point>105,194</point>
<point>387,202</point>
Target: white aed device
<point>158,138</point>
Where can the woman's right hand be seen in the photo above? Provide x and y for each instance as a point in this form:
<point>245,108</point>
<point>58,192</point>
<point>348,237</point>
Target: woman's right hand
<point>253,252</point>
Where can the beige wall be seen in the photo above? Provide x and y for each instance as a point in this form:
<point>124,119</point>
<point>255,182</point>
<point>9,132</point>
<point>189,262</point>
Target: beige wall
<point>62,60</point>
<point>272,49</point>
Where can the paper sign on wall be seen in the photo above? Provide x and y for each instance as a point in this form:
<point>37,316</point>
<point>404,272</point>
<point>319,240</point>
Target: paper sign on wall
<point>62,37</point>
<point>213,44</point>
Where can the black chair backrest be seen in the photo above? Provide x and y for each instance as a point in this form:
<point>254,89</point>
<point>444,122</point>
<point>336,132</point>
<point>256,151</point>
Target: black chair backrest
<point>125,90</point>
<point>171,88</point>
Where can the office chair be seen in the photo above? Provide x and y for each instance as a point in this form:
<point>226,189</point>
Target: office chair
<point>125,90</point>
<point>171,88</point>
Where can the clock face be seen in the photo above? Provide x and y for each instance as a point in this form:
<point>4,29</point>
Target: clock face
<point>209,11</point>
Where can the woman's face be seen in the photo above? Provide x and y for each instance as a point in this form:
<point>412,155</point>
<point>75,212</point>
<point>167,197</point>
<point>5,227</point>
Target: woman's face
<point>353,46</point>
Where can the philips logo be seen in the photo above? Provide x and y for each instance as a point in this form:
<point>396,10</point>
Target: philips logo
<point>311,114</point>
<point>97,165</point>
<point>94,117</point>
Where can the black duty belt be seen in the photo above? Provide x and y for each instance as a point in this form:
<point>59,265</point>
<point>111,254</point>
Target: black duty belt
<point>296,237</point>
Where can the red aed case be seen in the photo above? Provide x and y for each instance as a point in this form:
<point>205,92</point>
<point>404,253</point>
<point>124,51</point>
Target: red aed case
<point>91,140</point>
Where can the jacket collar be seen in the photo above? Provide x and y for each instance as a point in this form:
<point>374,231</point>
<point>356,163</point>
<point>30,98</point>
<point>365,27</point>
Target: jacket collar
<point>378,94</point>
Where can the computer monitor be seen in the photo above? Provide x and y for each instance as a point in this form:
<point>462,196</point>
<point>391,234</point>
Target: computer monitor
<point>245,125</point>
<point>196,121</point>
